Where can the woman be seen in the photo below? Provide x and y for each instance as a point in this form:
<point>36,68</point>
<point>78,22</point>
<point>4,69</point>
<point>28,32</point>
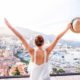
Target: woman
<point>39,56</point>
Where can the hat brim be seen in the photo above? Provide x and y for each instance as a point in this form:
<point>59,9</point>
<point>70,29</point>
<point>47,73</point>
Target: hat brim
<point>72,25</point>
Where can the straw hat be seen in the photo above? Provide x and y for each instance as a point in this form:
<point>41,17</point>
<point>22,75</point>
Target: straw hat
<point>76,25</point>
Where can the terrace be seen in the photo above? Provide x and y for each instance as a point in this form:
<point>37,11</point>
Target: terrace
<point>68,77</point>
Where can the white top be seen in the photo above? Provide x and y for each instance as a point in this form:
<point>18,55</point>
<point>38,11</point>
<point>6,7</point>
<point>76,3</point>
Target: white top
<point>35,55</point>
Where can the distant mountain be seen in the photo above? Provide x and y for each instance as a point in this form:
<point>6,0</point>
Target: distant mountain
<point>5,31</point>
<point>29,34</point>
<point>68,42</point>
<point>48,37</point>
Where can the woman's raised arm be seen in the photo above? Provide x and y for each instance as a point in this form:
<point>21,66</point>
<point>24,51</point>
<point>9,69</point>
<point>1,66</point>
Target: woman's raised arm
<point>49,49</point>
<point>24,42</point>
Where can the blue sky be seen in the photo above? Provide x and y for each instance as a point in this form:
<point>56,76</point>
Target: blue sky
<point>47,16</point>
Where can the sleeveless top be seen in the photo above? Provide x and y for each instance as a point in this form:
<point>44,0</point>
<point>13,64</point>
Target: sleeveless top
<point>33,66</point>
<point>36,53</point>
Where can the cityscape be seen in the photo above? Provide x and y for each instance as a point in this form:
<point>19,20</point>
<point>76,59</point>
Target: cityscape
<point>14,58</point>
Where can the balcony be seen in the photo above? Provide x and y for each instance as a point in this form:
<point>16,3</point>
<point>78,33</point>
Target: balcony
<point>55,77</point>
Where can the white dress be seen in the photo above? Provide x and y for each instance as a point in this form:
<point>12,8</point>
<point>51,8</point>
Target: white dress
<point>38,72</point>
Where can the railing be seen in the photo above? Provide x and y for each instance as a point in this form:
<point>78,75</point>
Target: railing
<point>66,74</point>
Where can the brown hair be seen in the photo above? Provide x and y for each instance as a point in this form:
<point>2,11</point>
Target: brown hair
<point>39,40</point>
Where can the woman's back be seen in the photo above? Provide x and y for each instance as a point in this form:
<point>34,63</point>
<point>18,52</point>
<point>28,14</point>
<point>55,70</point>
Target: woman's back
<point>39,56</point>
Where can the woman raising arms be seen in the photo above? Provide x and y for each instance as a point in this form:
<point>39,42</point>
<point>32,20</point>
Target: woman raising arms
<point>24,42</point>
<point>39,56</point>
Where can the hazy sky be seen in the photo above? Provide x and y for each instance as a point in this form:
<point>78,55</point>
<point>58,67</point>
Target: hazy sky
<point>47,16</point>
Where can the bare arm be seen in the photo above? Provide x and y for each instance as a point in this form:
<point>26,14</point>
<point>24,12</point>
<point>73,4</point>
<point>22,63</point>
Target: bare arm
<point>27,46</point>
<point>49,49</point>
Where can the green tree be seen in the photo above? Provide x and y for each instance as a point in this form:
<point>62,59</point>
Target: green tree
<point>60,71</point>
